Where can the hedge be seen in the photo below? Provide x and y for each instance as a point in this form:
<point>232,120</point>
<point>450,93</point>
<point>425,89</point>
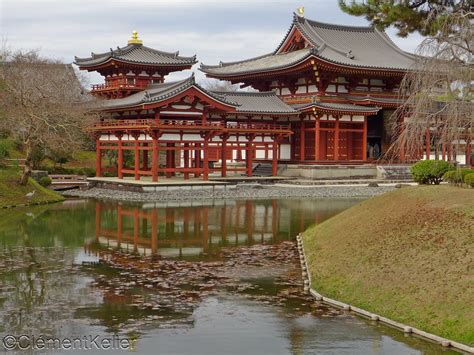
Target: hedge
<point>430,171</point>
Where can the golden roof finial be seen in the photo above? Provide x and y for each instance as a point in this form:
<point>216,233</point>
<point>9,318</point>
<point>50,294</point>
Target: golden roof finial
<point>134,39</point>
<point>300,11</point>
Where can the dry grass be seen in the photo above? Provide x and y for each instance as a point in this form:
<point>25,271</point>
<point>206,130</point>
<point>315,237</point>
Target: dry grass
<point>407,255</point>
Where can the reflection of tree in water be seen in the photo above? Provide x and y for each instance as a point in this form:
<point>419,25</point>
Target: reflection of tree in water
<point>40,287</point>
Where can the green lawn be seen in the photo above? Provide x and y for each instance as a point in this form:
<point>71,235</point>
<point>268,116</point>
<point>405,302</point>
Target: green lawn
<point>12,193</point>
<point>407,255</point>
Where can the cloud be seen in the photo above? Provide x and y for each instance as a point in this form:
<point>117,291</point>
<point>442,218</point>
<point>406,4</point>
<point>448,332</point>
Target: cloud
<point>214,30</point>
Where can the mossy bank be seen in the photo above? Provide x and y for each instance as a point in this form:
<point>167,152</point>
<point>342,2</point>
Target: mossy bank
<point>407,255</point>
<point>14,194</point>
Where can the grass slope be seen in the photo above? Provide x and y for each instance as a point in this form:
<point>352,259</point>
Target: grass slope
<point>407,255</point>
<point>12,193</point>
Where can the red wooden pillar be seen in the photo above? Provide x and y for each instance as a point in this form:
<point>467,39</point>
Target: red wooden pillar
<point>275,158</point>
<point>186,160</point>
<point>428,144</point>
<point>173,159</point>
<point>98,158</point>
<point>206,158</point>
<point>316,138</point>
<point>224,156</point>
<point>302,141</point>
<point>154,160</point>
<point>249,156</point>
<point>468,152</point>
<point>145,157</point>
<point>197,159</point>
<point>120,158</point>
<point>169,158</point>
<point>336,140</point>
<point>364,143</point>
<point>292,143</point>
<point>136,149</point>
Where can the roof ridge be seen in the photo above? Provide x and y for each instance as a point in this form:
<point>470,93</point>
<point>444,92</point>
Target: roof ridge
<point>170,54</point>
<point>339,27</point>
<point>225,64</point>
<point>246,93</point>
<point>222,64</point>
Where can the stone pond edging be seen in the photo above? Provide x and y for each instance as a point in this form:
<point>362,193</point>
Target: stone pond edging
<point>375,317</point>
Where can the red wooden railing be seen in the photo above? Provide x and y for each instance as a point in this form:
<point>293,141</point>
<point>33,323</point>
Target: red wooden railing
<point>121,83</point>
<point>197,124</point>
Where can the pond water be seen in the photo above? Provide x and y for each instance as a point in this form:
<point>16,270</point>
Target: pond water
<point>217,277</point>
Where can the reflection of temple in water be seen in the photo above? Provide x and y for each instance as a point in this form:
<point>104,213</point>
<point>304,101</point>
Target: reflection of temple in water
<point>189,230</point>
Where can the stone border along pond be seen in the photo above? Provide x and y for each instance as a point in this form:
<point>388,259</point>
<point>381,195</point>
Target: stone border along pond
<point>244,191</point>
<point>375,317</point>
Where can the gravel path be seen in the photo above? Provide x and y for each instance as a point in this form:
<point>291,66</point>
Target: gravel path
<point>240,192</point>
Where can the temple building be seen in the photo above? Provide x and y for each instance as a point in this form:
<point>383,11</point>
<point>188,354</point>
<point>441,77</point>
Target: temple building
<point>343,81</point>
<point>324,96</point>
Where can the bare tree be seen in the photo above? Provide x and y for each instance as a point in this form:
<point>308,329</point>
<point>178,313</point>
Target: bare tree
<point>219,85</point>
<point>222,85</point>
<point>44,104</point>
<point>438,92</point>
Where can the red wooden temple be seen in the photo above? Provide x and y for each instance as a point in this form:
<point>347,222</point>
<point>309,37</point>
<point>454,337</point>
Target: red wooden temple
<point>325,95</point>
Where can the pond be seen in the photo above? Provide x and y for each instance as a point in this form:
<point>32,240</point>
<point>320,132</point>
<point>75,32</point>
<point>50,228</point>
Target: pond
<point>216,277</point>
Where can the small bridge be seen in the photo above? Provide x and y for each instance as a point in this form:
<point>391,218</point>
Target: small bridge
<point>67,182</point>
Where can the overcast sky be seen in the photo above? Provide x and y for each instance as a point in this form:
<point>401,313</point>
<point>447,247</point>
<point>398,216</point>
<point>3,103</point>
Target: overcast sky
<point>214,30</point>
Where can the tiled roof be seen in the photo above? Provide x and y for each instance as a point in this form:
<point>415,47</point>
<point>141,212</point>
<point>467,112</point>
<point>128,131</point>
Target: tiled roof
<point>258,102</point>
<point>137,54</point>
<point>160,92</point>
<point>244,102</point>
<point>364,47</point>
<point>354,46</point>
<point>329,106</point>
<point>266,62</point>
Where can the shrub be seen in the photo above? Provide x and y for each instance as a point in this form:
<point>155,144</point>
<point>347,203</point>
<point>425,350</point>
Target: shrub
<point>430,171</point>
<point>6,146</point>
<point>45,181</point>
<point>469,179</point>
<point>456,177</point>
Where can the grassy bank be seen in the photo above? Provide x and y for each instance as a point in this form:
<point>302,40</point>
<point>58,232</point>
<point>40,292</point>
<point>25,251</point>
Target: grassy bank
<point>407,255</point>
<point>12,193</point>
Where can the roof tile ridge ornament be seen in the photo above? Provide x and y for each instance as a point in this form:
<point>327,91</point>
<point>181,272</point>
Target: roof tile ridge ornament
<point>146,96</point>
<point>135,40</point>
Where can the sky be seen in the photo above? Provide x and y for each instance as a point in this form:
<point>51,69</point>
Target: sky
<point>214,30</point>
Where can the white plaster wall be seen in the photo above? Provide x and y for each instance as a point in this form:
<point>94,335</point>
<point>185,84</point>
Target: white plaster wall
<point>285,151</point>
